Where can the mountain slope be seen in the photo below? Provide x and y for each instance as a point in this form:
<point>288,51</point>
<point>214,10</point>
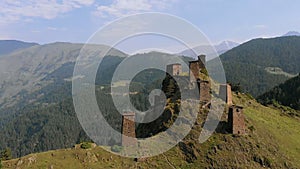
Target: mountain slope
<point>267,145</point>
<point>26,70</point>
<point>261,64</point>
<point>26,127</point>
<point>9,46</point>
<point>36,104</point>
<point>287,94</point>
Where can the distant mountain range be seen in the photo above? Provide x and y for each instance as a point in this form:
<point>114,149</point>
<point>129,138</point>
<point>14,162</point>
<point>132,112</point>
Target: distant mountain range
<point>292,33</point>
<point>225,46</point>
<point>9,46</point>
<point>209,50</point>
<point>26,70</point>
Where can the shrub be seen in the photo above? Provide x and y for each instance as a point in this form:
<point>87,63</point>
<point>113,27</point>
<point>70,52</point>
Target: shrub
<point>86,145</point>
<point>204,71</point>
<point>116,148</point>
<point>251,128</point>
<point>6,154</point>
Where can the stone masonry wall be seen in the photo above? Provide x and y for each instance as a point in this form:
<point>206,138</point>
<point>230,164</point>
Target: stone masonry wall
<point>236,120</point>
<point>226,94</point>
<point>205,95</point>
<point>128,129</point>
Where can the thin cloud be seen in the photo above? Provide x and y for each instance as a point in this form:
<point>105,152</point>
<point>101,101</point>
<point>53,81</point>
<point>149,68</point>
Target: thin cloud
<point>119,8</point>
<point>35,31</point>
<point>13,11</point>
<point>260,26</point>
<point>56,29</point>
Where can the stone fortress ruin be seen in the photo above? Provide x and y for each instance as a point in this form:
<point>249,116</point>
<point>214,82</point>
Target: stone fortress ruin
<point>195,81</point>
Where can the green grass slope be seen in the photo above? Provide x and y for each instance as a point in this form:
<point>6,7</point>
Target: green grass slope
<point>272,141</point>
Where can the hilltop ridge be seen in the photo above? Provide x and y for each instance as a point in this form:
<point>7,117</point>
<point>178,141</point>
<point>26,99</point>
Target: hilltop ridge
<point>266,144</point>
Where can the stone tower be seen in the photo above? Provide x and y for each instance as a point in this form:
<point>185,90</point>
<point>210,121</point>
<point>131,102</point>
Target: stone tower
<point>195,67</point>
<point>195,79</point>
<point>174,69</point>
<point>128,129</point>
<point>225,93</point>
<point>236,120</point>
<point>204,87</point>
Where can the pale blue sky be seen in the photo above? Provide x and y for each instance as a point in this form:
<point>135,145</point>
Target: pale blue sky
<point>46,21</point>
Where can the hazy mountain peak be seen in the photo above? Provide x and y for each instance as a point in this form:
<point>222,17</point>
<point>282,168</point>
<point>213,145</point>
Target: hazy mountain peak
<point>210,51</point>
<point>227,43</point>
<point>9,46</point>
<point>225,46</point>
<point>292,33</point>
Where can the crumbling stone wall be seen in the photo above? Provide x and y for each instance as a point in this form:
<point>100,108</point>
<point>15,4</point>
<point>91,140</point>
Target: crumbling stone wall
<point>128,129</point>
<point>195,67</point>
<point>236,120</point>
<point>205,95</point>
<point>226,94</point>
<point>194,81</point>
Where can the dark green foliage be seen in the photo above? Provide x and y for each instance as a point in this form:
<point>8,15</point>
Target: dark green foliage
<point>86,145</point>
<point>0,163</point>
<point>6,154</point>
<point>236,87</point>
<point>171,88</point>
<point>165,120</point>
<point>246,63</point>
<point>251,128</point>
<point>204,71</point>
<point>107,69</point>
<point>143,83</point>
<point>263,161</point>
<point>188,149</point>
<point>287,94</point>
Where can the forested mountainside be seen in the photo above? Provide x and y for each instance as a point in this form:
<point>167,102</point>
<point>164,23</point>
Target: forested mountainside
<point>261,64</point>
<point>287,94</point>
<point>32,118</point>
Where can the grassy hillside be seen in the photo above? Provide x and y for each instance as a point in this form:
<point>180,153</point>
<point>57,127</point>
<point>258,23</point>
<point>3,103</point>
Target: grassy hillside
<point>261,64</point>
<point>272,141</point>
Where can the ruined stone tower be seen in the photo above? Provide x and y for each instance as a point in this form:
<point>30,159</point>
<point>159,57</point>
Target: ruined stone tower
<point>128,129</point>
<point>225,93</point>
<point>195,67</point>
<point>204,87</point>
<point>236,121</point>
<point>196,80</point>
<point>174,69</point>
